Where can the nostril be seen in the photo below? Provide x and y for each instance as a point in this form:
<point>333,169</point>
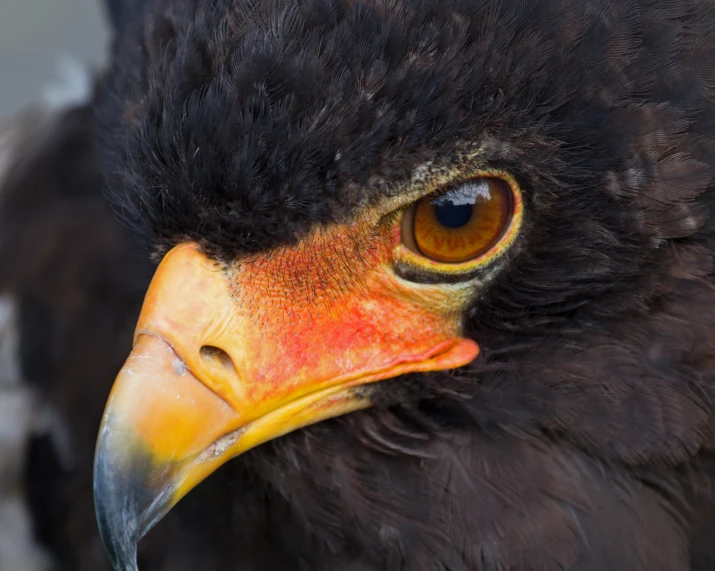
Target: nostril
<point>215,357</point>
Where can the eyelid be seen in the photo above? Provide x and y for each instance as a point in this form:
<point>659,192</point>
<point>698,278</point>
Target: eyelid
<point>408,219</point>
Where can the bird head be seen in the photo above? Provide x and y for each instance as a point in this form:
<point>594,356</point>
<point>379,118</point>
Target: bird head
<point>346,196</point>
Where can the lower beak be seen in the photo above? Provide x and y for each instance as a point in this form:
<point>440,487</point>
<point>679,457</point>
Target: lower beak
<point>203,383</point>
<point>164,431</point>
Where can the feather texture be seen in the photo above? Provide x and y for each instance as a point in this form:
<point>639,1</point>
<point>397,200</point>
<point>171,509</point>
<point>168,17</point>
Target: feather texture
<point>582,438</point>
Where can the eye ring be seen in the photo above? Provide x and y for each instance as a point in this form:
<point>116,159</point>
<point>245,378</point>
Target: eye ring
<point>463,227</point>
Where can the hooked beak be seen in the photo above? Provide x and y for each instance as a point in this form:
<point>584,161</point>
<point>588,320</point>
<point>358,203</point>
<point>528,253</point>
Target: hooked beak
<point>226,358</point>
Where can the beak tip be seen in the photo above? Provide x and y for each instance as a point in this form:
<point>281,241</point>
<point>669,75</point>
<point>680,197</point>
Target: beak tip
<point>118,527</point>
<point>129,496</point>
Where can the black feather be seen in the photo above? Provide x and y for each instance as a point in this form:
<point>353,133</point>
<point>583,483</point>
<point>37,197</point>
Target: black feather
<point>582,437</point>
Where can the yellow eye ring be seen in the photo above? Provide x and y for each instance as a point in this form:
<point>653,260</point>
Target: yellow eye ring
<point>463,227</point>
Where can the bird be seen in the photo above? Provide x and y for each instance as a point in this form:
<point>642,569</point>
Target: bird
<point>434,286</point>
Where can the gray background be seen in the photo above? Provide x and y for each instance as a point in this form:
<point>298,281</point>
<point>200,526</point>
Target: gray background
<point>34,34</point>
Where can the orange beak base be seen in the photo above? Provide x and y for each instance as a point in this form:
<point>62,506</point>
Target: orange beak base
<point>228,357</point>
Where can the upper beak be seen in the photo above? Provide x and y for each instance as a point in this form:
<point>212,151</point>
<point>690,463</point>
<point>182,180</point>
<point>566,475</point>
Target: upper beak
<point>225,359</point>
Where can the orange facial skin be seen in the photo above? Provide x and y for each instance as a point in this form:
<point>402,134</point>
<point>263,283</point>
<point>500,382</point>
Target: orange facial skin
<point>296,320</point>
<point>229,356</point>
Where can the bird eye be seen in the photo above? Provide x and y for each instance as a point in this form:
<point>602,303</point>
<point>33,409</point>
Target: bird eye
<point>461,224</point>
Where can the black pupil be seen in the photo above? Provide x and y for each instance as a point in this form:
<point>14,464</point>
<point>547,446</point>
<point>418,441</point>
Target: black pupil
<point>453,215</point>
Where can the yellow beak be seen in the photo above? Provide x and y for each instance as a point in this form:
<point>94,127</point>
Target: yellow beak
<point>228,357</point>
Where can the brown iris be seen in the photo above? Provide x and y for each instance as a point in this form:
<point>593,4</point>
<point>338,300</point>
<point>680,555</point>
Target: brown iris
<point>460,224</point>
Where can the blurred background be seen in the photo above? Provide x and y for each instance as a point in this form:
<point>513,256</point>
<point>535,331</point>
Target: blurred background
<point>37,34</point>
<point>71,285</point>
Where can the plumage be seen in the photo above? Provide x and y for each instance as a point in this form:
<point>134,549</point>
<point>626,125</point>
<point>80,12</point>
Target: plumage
<point>243,124</point>
<point>581,437</point>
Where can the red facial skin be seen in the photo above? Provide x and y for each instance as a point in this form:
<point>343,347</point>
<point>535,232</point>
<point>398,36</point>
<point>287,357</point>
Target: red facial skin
<point>296,320</point>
